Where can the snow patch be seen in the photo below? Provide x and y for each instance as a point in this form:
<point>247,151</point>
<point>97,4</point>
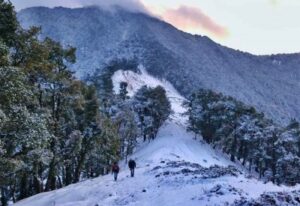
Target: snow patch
<point>136,80</point>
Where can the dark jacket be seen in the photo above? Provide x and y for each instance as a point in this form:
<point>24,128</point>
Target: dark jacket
<point>115,168</point>
<point>131,164</point>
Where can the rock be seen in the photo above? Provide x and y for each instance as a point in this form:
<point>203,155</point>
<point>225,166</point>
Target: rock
<point>220,193</point>
<point>185,171</point>
<point>156,168</point>
<point>216,188</point>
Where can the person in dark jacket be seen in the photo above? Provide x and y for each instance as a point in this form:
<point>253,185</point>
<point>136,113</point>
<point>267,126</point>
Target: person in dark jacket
<point>131,165</point>
<point>115,170</point>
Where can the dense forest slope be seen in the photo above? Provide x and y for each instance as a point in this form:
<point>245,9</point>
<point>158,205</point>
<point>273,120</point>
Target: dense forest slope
<point>270,83</point>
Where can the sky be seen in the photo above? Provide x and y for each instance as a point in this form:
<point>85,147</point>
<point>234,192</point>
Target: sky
<point>255,26</point>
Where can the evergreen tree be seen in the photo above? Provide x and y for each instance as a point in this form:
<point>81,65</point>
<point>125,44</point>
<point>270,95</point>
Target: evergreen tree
<point>153,108</point>
<point>52,131</point>
<point>8,22</point>
<point>246,135</point>
<point>123,91</point>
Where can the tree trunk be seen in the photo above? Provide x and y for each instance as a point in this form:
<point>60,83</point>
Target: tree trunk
<point>79,167</point>
<point>68,178</point>
<point>37,185</point>
<point>250,165</point>
<point>23,186</point>
<point>260,170</point>
<point>232,149</point>
<point>4,196</point>
<point>40,95</point>
<point>232,157</point>
<point>244,161</point>
<point>51,180</point>
<point>59,181</point>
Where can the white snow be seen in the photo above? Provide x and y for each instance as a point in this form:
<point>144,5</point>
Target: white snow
<point>173,144</point>
<point>136,80</point>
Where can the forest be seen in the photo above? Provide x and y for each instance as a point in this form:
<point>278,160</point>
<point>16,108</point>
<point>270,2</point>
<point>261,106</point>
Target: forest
<point>55,129</point>
<point>247,136</point>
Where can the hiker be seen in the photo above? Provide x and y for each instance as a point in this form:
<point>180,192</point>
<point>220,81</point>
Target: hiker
<point>131,165</point>
<point>115,170</point>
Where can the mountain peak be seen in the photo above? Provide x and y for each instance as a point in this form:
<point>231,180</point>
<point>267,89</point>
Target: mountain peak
<point>189,62</point>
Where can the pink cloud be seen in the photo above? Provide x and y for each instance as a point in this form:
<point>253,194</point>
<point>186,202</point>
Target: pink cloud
<point>192,18</point>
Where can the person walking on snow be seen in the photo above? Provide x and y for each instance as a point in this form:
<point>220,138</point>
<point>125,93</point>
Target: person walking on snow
<point>115,170</point>
<point>131,165</point>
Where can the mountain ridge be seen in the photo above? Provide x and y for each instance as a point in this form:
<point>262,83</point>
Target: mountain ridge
<point>268,82</point>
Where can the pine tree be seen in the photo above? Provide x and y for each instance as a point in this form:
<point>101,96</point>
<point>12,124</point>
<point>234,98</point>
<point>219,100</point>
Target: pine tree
<point>52,131</point>
<point>246,135</point>
<point>123,91</point>
<point>153,108</point>
<point>8,22</point>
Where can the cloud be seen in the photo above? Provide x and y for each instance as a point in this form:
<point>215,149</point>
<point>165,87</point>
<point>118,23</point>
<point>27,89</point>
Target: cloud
<point>131,5</point>
<point>188,18</point>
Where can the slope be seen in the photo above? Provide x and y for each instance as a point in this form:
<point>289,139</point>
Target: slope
<point>174,169</point>
<point>270,83</point>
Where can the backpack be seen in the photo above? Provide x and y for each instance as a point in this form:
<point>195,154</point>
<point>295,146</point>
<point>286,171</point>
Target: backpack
<point>131,164</point>
<point>115,168</point>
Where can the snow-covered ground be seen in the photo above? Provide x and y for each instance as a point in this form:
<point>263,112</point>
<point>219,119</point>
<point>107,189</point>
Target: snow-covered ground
<point>136,80</point>
<point>174,169</point>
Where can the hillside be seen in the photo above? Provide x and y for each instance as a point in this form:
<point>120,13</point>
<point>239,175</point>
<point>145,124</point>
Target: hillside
<point>174,163</point>
<point>270,83</point>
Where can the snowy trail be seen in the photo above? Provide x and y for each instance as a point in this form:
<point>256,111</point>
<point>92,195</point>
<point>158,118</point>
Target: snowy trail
<point>173,144</point>
<point>174,169</point>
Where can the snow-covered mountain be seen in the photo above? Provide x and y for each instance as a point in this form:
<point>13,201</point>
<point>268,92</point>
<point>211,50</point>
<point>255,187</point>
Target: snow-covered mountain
<point>270,83</point>
<point>175,169</point>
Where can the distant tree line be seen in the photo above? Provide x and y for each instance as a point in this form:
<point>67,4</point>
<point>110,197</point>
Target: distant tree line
<point>55,130</point>
<point>247,136</point>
